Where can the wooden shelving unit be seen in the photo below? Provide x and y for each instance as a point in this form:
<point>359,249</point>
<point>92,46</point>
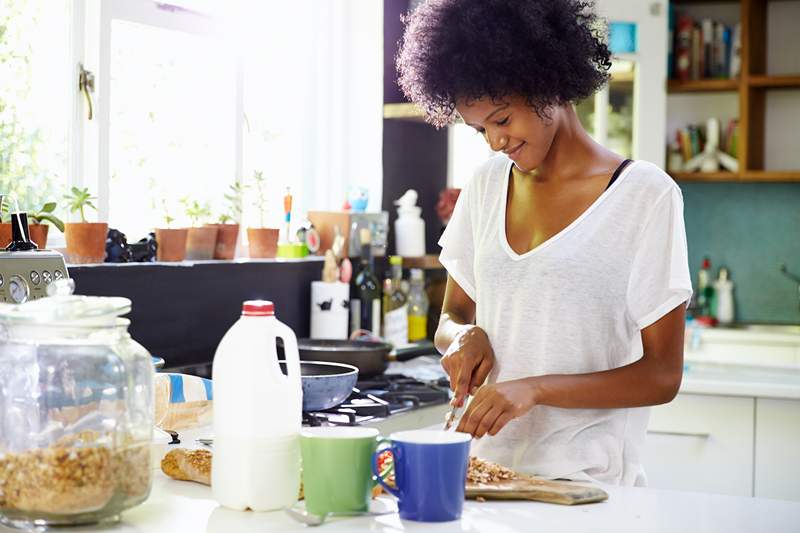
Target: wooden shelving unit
<point>426,262</point>
<point>751,86</point>
<point>404,111</point>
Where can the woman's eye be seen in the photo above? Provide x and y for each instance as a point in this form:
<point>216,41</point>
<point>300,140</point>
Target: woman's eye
<point>503,122</point>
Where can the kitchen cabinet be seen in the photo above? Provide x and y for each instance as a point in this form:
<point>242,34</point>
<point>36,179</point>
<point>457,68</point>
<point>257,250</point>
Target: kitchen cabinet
<point>702,443</point>
<point>777,449</point>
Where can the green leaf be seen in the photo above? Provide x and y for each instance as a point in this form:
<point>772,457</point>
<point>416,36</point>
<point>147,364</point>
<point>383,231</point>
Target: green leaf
<point>49,207</point>
<point>54,220</point>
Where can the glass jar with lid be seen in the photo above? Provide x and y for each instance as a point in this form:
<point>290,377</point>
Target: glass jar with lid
<point>76,412</point>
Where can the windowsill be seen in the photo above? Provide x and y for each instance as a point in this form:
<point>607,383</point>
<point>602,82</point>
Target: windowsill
<point>187,263</point>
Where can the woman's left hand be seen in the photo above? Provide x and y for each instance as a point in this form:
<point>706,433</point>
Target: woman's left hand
<point>495,405</point>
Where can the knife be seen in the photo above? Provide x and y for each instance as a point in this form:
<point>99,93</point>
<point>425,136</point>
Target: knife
<point>451,417</point>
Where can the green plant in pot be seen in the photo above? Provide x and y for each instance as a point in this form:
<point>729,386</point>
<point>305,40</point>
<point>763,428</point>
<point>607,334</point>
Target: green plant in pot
<point>171,241</point>
<point>228,222</point>
<point>86,241</point>
<point>39,222</point>
<point>263,241</point>
<point>201,240</point>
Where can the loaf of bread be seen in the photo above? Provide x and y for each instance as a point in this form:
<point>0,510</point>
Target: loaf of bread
<point>188,465</point>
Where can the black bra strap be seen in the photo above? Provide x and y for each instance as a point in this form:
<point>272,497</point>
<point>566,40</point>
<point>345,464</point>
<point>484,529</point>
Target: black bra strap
<point>617,172</point>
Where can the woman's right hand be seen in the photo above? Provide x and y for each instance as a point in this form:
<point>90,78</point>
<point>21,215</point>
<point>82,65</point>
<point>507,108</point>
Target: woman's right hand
<point>467,361</point>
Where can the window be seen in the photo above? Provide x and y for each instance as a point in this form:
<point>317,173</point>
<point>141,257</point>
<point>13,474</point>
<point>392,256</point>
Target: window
<point>35,105</point>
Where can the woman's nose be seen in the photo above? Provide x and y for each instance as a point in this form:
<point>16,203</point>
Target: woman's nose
<point>496,141</point>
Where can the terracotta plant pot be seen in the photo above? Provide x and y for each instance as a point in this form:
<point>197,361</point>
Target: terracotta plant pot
<point>226,240</point>
<point>263,242</point>
<point>171,244</point>
<point>86,242</point>
<point>200,243</point>
<point>5,235</point>
<point>38,234</point>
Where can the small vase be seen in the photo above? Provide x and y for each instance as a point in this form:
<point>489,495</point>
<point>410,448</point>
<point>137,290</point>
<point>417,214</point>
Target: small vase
<point>86,242</point>
<point>263,242</point>
<point>226,240</point>
<point>171,244</point>
<point>200,243</point>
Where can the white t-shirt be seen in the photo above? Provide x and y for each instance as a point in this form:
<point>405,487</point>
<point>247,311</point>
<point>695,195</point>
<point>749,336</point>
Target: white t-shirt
<point>574,304</point>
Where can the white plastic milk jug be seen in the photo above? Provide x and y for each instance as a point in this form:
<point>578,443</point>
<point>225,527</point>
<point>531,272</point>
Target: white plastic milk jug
<point>257,414</point>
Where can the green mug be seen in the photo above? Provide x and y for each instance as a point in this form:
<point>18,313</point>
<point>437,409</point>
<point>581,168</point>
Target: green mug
<point>337,468</point>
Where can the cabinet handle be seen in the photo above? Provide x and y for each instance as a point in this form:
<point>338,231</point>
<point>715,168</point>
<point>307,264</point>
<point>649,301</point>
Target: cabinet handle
<point>680,433</point>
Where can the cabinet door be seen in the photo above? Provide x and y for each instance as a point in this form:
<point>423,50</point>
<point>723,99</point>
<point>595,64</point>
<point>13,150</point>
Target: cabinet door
<point>778,449</point>
<point>701,443</point>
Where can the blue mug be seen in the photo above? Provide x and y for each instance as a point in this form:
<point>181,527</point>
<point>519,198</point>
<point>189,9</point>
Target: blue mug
<point>430,470</point>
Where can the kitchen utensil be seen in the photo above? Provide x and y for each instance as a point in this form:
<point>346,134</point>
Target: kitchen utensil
<point>369,357</point>
<point>337,476</point>
<point>77,399</point>
<point>312,520</point>
<point>451,417</point>
<point>325,384</point>
<point>536,489</point>
<point>430,470</point>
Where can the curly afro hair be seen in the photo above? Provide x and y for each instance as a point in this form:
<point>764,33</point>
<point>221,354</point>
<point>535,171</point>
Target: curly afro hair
<point>551,52</point>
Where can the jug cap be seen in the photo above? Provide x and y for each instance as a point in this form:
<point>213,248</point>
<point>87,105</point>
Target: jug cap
<point>258,308</point>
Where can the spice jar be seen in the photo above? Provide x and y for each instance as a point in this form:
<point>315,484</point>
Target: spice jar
<point>76,411</point>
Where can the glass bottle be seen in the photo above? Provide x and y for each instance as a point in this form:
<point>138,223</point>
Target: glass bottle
<point>417,307</point>
<point>368,289</point>
<point>395,305</point>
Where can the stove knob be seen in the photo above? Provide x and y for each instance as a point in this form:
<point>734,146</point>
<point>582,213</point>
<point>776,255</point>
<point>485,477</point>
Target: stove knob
<point>19,289</point>
<point>57,274</point>
<point>47,277</point>
<point>35,277</point>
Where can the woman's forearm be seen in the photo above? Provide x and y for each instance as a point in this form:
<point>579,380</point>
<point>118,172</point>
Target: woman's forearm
<point>450,325</point>
<point>644,382</point>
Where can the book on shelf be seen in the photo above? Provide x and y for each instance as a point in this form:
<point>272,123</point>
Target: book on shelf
<point>691,139</point>
<point>704,49</point>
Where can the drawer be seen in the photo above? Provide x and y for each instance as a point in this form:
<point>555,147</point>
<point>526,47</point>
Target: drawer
<point>702,443</point>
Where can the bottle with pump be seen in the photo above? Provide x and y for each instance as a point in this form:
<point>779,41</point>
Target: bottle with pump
<point>417,307</point>
<point>257,413</point>
<point>395,306</point>
<point>723,287</point>
<point>409,228</point>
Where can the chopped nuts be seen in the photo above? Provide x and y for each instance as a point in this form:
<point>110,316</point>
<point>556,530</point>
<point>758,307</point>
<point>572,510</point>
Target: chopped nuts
<point>482,471</point>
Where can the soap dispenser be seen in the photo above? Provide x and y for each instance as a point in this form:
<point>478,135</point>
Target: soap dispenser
<point>409,228</point>
<point>724,291</point>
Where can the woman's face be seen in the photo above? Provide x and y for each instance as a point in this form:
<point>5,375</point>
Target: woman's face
<point>511,126</point>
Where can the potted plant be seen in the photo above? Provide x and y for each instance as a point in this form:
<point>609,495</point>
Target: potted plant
<point>228,222</point>
<point>263,241</point>
<point>86,241</point>
<point>37,228</point>
<point>200,240</point>
<point>171,241</point>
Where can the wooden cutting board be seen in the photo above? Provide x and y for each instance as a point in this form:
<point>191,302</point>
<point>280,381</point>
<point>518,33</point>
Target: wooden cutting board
<point>536,489</point>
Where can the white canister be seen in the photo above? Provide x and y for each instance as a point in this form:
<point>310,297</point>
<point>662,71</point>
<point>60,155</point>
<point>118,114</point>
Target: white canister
<point>330,308</point>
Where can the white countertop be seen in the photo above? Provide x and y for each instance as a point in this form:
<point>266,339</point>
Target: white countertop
<point>741,380</point>
<point>184,507</point>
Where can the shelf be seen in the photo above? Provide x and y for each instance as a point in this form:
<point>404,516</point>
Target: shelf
<point>705,176</point>
<point>426,262</point>
<point>774,82</point>
<point>712,85</point>
<point>405,111</point>
<point>772,175</point>
<point>777,176</point>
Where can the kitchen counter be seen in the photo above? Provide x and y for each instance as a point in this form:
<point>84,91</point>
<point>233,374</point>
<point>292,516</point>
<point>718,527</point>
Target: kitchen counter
<point>184,507</point>
<point>741,380</point>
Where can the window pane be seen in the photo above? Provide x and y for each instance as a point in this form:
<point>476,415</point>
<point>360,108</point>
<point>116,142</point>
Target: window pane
<point>35,100</point>
<point>172,125</point>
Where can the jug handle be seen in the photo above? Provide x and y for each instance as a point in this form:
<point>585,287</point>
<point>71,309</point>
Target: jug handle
<point>286,334</point>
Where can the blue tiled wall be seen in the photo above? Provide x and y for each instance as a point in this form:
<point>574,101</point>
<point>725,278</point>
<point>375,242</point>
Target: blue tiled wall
<point>751,228</point>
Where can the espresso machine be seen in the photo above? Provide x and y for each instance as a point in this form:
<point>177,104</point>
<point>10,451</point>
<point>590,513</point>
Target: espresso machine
<point>26,271</point>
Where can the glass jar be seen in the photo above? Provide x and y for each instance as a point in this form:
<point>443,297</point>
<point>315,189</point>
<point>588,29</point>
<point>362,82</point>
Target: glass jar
<point>76,412</point>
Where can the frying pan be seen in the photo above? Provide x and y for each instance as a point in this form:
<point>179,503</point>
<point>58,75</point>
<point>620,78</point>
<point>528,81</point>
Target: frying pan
<point>325,385</point>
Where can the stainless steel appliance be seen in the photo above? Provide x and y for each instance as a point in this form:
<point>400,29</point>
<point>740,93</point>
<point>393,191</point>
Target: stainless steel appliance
<point>25,272</point>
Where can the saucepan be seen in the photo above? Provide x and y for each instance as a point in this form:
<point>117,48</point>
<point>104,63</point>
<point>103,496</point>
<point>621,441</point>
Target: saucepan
<point>325,384</point>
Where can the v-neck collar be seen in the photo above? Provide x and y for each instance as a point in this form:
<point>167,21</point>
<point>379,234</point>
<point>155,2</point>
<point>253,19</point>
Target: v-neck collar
<point>504,208</point>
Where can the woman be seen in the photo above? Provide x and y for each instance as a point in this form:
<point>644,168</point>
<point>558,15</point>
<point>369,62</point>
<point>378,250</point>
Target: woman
<point>564,309</point>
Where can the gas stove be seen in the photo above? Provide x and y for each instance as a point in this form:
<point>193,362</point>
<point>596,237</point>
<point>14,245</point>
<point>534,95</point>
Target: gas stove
<point>378,398</point>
